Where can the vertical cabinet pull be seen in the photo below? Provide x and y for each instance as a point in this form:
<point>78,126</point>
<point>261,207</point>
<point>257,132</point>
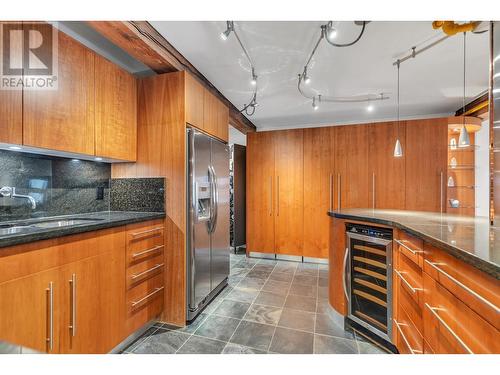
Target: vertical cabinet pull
<point>344,281</point>
<point>330,193</point>
<point>338,191</point>
<point>50,316</point>
<point>441,192</point>
<point>72,284</point>
<point>278,196</point>
<point>270,196</point>
<point>398,326</point>
<point>373,190</point>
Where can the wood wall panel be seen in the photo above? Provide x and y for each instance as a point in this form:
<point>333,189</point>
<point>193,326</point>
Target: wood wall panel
<point>162,153</point>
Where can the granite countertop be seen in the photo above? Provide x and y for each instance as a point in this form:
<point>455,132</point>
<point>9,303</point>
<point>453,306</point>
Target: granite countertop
<point>470,239</point>
<point>98,220</point>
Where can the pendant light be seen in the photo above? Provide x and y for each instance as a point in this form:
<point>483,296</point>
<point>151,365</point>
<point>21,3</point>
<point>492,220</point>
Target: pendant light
<point>398,150</point>
<point>464,139</point>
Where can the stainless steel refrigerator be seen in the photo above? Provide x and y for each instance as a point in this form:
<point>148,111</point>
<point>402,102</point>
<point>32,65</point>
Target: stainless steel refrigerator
<point>207,221</point>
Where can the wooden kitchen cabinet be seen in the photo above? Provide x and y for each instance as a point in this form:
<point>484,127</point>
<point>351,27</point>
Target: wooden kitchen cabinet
<point>195,98</point>
<point>351,166</point>
<point>63,119</point>
<point>319,190</point>
<point>386,172</point>
<point>11,102</point>
<point>261,184</point>
<point>426,157</point>
<point>215,117</point>
<point>115,111</point>
<point>289,175</point>
<point>25,309</point>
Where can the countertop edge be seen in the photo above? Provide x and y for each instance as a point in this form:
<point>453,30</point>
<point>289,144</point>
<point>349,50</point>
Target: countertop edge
<point>20,239</point>
<point>482,265</point>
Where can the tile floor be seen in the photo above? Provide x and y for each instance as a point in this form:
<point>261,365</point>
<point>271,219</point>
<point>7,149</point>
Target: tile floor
<point>269,306</point>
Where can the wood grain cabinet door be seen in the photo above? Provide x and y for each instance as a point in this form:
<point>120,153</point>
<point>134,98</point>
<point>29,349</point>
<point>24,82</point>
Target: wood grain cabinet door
<point>115,112</point>
<point>260,192</point>
<point>319,192</point>
<point>387,173</point>
<point>223,122</point>
<point>30,309</point>
<point>210,114</point>
<point>195,93</point>
<point>351,166</point>
<point>11,101</point>
<point>63,119</point>
<point>93,304</point>
<point>289,176</point>
<point>426,156</point>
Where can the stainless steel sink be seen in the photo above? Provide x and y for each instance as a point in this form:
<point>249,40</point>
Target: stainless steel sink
<point>62,223</point>
<point>14,229</point>
<point>22,227</point>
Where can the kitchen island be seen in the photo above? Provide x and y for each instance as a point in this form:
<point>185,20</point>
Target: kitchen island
<point>440,286</point>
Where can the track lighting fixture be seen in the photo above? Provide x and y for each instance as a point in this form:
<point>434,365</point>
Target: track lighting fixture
<point>248,109</point>
<point>329,32</point>
<point>314,104</point>
<point>464,139</point>
<point>225,34</point>
<point>398,149</point>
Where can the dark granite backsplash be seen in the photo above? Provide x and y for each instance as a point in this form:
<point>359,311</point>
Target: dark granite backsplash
<point>59,186</point>
<point>138,194</point>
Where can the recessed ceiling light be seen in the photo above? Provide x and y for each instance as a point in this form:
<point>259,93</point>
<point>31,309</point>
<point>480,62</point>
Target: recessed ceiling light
<point>15,148</point>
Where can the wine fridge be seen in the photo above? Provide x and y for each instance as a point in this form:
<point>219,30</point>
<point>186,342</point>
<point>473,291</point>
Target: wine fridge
<point>368,278</point>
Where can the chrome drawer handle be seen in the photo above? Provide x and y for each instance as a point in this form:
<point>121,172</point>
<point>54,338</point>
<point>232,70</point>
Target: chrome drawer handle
<point>414,252</point>
<point>465,287</point>
<point>445,325</point>
<point>153,249</point>
<point>147,233</point>
<point>413,289</point>
<point>72,284</point>
<point>138,275</point>
<point>146,297</point>
<point>398,326</point>
<point>50,317</point>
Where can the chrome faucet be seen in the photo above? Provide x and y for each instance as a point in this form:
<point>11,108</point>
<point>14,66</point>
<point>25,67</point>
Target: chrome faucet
<point>8,191</point>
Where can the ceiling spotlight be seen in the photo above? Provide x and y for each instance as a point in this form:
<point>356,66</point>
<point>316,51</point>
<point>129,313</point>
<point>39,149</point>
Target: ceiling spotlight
<point>331,32</point>
<point>314,104</point>
<point>230,27</point>
<point>370,108</point>
<point>305,77</point>
<point>254,78</point>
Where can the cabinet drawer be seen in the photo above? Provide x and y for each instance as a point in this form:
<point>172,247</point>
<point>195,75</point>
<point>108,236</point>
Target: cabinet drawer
<point>409,277</point>
<point>410,246</point>
<point>477,290</point>
<point>144,270</point>
<point>412,309</point>
<point>144,303</point>
<point>408,338</point>
<point>453,328</point>
<point>152,248</point>
<point>142,235</point>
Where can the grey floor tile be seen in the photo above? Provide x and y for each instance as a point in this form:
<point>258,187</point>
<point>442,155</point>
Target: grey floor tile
<point>326,326</point>
<point>201,345</point>
<point>243,295</point>
<point>285,266</point>
<point>334,345</point>
<point>296,319</point>
<point>323,273</point>
<point>212,306</point>
<point>287,341</point>
<point>271,262</point>
<point>300,303</point>
<point>263,314</point>
<point>270,299</point>
<point>252,283</point>
<point>306,272</point>
<point>240,349</point>
<point>234,280</point>
<point>217,327</point>
<point>259,274</point>
<point>263,267</point>
<point>304,290</point>
<point>243,264</point>
<point>323,292</point>
<point>191,327</point>
<point>308,266</point>
<point>281,276</point>
<point>322,281</point>
<point>254,335</point>
<point>225,291</point>
<point>161,342</point>
<point>367,348</point>
<point>239,272</point>
<point>305,280</point>
<point>143,337</point>
<point>233,309</point>
<point>323,306</point>
<point>278,287</point>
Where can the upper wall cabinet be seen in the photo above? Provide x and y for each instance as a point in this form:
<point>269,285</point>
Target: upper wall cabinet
<point>11,107</point>
<point>63,119</point>
<point>204,110</point>
<point>115,112</point>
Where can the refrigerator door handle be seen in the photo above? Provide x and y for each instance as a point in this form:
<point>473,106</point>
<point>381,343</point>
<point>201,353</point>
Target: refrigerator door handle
<point>215,200</point>
<point>193,208</point>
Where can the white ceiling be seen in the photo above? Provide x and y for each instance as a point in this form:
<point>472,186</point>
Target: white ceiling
<point>431,84</point>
